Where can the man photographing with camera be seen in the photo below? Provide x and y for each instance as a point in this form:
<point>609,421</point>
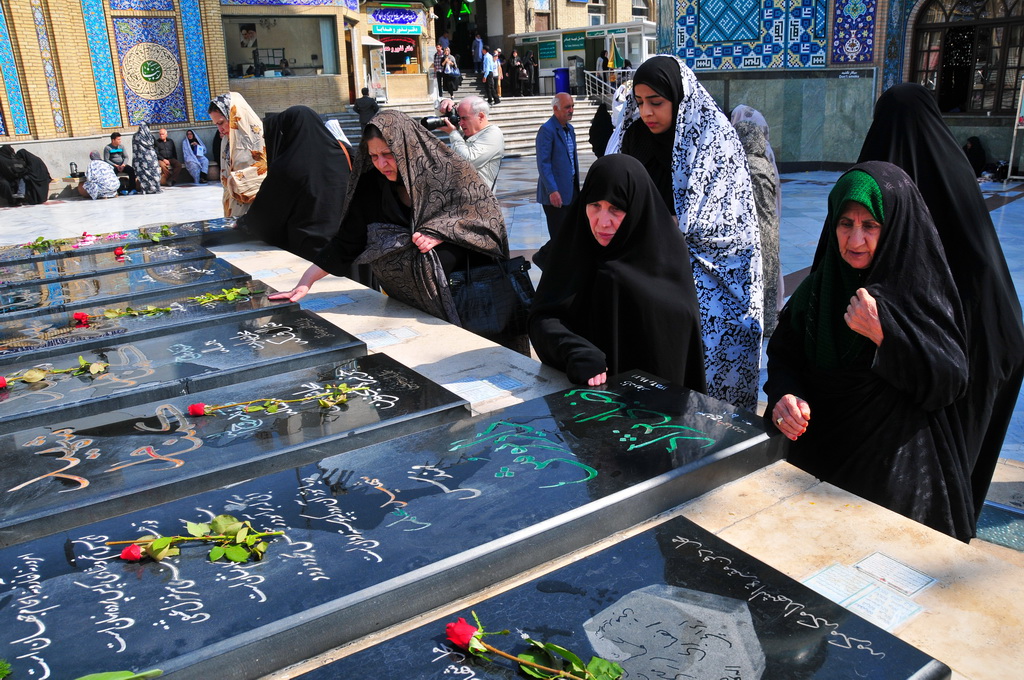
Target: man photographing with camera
<point>476,140</point>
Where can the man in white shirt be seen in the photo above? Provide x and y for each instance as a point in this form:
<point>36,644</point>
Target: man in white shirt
<point>479,142</point>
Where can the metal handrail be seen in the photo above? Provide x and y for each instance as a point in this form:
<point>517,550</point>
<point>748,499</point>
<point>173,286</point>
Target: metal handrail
<point>601,86</point>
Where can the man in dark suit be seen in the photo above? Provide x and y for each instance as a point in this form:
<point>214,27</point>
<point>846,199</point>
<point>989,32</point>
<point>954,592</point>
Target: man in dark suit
<point>558,165</point>
<point>366,107</point>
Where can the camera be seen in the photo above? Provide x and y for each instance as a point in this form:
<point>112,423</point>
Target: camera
<point>434,122</point>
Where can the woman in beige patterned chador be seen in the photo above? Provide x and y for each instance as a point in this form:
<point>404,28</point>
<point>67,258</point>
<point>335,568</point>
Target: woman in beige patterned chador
<point>243,155</point>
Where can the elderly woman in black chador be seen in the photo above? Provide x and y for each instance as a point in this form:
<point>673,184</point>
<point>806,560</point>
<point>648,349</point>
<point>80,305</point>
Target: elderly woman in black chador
<point>298,207</point>
<point>908,131</point>
<point>869,357</point>
<point>415,212</point>
<point>614,297</point>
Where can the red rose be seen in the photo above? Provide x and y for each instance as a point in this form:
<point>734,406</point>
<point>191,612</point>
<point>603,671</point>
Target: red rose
<point>3,382</point>
<point>460,633</point>
<point>81,317</point>
<point>132,553</point>
<point>118,251</point>
<point>197,409</point>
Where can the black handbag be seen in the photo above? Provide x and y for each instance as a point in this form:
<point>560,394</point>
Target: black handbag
<point>493,300</point>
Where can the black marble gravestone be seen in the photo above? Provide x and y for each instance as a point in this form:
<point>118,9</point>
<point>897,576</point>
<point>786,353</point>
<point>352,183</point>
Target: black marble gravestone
<point>203,232</point>
<point>374,535</point>
<point>65,475</point>
<point>22,302</point>
<point>44,336</point>
<point>673,602</point>
<point>87,263</point>
<point>175,364</point>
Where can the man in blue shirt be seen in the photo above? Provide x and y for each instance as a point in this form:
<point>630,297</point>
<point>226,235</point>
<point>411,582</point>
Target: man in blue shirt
<point>490,77</point>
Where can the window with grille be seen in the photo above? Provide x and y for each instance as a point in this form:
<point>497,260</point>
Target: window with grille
<point>969,53</point>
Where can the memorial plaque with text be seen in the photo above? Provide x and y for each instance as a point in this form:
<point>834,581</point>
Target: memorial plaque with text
<point>202,232</point>
<point>673,602</point>
<point>65,475</point>
<point>22,302</point>
<point>373,536</point>
<point>44,336</point>
<point>87,263</point>
<point>171,365</point>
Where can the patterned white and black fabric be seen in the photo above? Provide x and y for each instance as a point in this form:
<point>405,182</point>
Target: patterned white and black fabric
<point>706,184</point>
<point>243,159</point>
<point>100,180</point>
<point>193,154</point>
<point>147,167</point>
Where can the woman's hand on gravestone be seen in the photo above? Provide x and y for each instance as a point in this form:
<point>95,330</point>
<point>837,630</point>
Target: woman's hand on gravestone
<point>309,277</point>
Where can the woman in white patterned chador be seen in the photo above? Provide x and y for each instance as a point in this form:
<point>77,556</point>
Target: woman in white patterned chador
<point>675,128</point>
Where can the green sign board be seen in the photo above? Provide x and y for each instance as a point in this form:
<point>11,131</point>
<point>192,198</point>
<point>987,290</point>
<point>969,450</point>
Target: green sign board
<point>616,31</point>
<point>530,39</point>
<point>595,34</point>
<point>574,41</point>
<point>548,49</point>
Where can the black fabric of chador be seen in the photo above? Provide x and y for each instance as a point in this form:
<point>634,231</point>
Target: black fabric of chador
<point>885,423</point>
<point>298,207</point>
<point>625,306</point>
<point>908,131</point>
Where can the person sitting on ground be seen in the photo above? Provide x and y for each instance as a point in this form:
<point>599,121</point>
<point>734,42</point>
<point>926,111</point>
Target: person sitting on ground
<point>869,358</point>
<point>975,153</point>
<point>100,180</point>
<point>12,177</point>
<point>298,207</point>
<point>415,212</point>
<point>243,155</point>
<point>167,157</point>
<point>115,154</point>
<point>613,297</point>
<point>193,151</point>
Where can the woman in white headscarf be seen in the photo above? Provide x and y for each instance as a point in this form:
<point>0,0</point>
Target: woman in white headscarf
<point>243,154</point>
<point>193,151</point>
<point>100,180</point>
<point>674,127</point>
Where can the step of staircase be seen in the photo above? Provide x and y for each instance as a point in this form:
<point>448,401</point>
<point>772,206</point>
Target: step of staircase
<point>518,117</point>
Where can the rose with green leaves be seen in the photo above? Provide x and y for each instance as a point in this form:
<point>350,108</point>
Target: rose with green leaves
<point>235,541</point>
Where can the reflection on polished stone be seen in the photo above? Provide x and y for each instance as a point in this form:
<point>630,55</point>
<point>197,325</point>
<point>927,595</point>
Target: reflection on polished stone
<point>381,533</point>
<point>179,363</point>
<point>71,473</point>
<point>672,602</point>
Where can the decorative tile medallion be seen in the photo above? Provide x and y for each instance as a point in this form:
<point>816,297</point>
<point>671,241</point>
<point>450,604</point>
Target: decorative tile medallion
<point>43,35</point>
<point>102,65</point>
<point>150,69</point>
<point>12,82</point>
<point>195,57</point>
<point>853,31</point>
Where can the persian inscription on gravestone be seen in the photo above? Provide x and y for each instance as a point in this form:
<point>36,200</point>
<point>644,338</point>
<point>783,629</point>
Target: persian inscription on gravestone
<point>465,492</point>
<point>64,475</point>
<point>672,602</point>
<point>162,367</point>
<point>35,299</point>
<point>90,263</point>
<point>44,336</point>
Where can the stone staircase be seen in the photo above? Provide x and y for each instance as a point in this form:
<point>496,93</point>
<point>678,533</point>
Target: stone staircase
<point>518,117</point>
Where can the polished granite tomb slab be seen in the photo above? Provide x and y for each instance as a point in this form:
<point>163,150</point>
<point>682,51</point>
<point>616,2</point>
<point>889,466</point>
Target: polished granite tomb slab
<point>62,476</point>
<point>672,602</point>
<point>373,536</point>
<point>216,231</point>
<point>44,336</point>
<point>230,352</point>
<point>85,263</point>
<point>22,302</point>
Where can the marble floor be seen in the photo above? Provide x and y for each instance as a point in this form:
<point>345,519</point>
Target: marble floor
<point>803,200</point>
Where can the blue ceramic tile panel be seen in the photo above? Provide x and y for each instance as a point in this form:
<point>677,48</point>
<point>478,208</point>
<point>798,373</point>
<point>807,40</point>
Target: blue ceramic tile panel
<point>853,33</point>
<point>151,69</point>
<point>805,48</point>
<point>195,56</point>
<point>145,5</point>
<point>728,21</point>
<point>3,126</point>
<point>12,83</point>
<point>45,52</point>
<point>333,3</point>
<point>892,71</point>
<point>102,65</point>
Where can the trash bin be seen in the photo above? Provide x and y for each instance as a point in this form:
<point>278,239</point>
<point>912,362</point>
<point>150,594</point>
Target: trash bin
<point>561,80</point>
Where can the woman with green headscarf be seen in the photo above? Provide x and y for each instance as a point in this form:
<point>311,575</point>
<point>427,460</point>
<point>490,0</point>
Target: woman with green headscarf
<point>869,359</point>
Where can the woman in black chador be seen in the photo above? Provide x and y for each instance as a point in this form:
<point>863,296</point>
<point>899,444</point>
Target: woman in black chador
<point>868,362</point>
<point>908,131</point>
<point>298,207</point>
<point>614,296</point>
